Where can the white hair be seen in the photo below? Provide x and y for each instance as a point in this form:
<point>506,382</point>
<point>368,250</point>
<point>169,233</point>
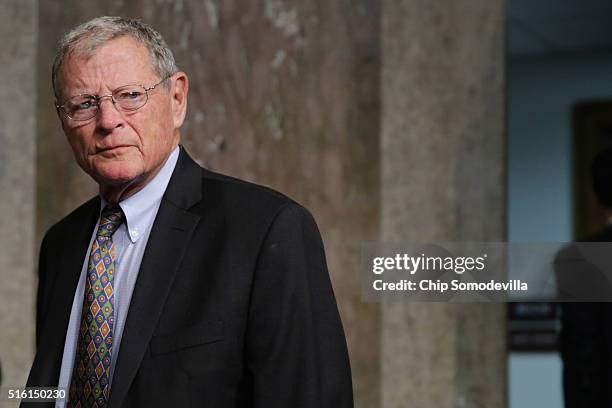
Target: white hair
<point>87,37</point>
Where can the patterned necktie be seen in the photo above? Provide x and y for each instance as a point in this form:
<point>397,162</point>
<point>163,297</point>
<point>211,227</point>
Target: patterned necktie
<point>89,386</point>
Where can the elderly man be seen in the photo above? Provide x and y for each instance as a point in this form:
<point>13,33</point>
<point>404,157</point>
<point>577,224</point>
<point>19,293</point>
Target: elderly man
<point>175,286</point>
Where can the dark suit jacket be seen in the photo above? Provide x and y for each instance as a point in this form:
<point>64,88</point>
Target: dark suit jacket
<point>233,306</point>
<point>586,328</point>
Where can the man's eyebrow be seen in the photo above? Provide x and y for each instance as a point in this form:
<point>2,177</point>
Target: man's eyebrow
<point>82,93</point>
<point>78,90</point>
<point>65,97</point>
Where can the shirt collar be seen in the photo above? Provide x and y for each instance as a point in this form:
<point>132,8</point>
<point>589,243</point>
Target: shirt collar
<point>139,209</point>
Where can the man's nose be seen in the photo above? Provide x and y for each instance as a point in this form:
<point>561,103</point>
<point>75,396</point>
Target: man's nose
<point>109,116</point>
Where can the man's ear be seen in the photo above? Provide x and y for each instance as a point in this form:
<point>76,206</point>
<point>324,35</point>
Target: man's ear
<point>178,94</point>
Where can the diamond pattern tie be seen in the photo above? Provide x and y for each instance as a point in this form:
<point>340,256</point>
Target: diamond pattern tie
<point>89,387</point>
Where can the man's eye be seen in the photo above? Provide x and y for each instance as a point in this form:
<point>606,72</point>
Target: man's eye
<point>86,104</point>
<point>83,104</point>
<point>127,95</point>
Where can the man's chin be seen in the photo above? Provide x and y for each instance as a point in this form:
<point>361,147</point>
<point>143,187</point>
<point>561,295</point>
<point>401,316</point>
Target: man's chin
<point>115,177</point>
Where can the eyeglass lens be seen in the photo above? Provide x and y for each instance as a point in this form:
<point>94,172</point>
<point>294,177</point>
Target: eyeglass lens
<point>127,98</point>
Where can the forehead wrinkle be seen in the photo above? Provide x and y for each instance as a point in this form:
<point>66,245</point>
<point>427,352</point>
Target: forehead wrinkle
<point>111,66</point>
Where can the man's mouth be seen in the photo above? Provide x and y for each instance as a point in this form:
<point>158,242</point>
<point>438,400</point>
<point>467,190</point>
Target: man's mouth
<point>111,148</point>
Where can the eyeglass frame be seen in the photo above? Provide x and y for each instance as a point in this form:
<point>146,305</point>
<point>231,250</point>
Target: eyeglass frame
<point>98,100</point>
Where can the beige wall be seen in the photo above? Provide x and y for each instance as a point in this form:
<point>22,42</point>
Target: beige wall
<point>18,28</point>
<point>353,109</point>
<point>443,180</point>
<point>283,93</point>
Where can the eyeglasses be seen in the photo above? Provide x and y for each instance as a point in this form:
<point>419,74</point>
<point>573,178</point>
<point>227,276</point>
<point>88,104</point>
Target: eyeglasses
<point>126,98</point>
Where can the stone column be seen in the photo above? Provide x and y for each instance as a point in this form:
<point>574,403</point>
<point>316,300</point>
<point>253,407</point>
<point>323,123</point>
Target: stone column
<point>287,93</point>
<point>443,161</point>
<point>284,93</point>
<point>18,29</point>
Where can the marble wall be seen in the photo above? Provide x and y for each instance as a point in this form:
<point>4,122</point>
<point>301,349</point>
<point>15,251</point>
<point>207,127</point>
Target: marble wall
<point>283,93</point>
<point>443,180</point>
<point>18,30</point>
<point>384,118</point>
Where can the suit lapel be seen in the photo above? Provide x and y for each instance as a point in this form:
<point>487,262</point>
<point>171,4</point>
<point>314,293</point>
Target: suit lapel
<point>47,363</point>
<point>170,235</point>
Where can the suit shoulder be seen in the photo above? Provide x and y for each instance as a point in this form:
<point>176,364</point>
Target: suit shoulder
<point>603,235</point>
<point>244,195</point>
<point>572,249</point>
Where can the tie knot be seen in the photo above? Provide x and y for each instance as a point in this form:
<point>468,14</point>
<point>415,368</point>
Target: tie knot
<point>110,220</point>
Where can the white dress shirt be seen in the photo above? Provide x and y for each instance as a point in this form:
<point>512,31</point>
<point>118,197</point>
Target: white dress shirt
<point>130,241</point>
